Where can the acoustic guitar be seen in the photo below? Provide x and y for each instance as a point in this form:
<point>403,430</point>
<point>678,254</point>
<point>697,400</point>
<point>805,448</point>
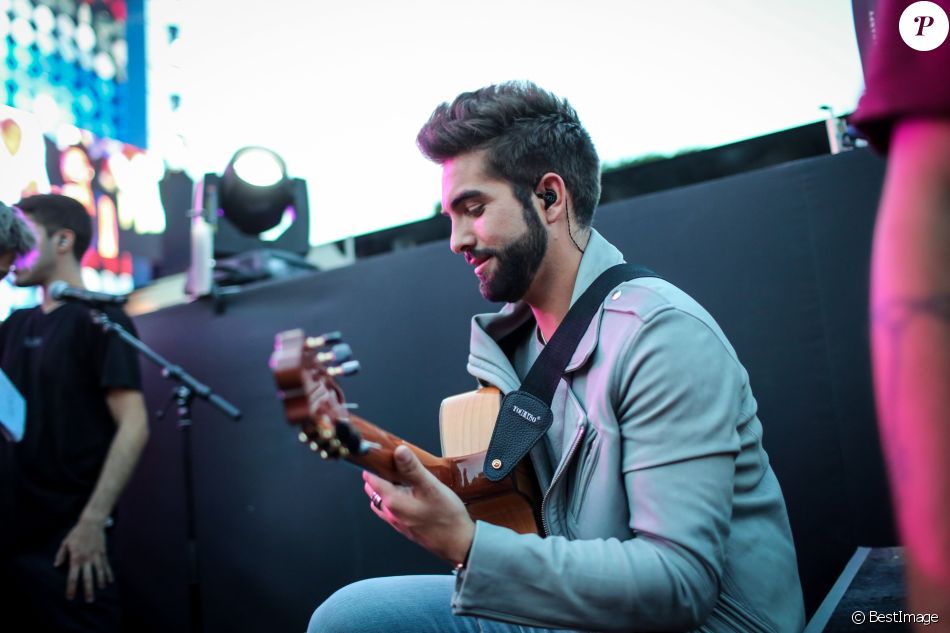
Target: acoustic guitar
<point>300,363</point>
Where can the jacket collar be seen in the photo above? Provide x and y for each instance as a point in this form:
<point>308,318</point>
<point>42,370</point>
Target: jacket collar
<point>487,361</point>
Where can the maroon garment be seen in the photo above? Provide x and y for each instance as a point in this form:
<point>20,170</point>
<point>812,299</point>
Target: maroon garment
<point>901,82</point>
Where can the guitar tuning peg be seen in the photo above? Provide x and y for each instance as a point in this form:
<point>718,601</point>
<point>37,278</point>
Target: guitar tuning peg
<point>366,447</point>
<point>351,406</point>
<point>303,437</point>
<point>314,446</point>
<point>348,368</point>
<point>340,352</point>
<point>324,339</point>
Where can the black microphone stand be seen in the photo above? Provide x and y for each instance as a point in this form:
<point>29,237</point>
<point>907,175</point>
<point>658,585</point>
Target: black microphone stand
<point>182,395</point>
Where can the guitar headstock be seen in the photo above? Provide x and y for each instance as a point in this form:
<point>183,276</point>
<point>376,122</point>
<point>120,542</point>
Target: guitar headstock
<point>305,369</point>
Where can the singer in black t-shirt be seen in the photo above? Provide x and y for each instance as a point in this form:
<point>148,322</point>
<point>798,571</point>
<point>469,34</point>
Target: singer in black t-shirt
<point>86,426</point>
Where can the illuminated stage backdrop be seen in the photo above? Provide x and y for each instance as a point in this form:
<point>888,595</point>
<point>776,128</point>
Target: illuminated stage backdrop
<point>117,183</point>
<point>79,62</point>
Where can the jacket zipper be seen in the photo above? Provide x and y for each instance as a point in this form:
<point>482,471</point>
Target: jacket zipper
<point>557,475</point>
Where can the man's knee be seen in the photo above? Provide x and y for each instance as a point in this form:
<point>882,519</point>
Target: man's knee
<point>345,611</point>
<point>398,603</point>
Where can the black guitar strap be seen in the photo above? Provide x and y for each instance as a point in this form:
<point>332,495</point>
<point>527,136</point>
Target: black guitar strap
<point>525,414</point>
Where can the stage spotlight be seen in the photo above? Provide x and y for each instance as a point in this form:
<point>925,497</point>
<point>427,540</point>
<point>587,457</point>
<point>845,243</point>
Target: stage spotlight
<point>259,167</point>
<point>255,190</point>
<point>258,219</point>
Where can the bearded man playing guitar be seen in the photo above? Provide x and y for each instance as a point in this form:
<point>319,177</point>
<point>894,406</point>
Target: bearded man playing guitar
<point>660,511</point>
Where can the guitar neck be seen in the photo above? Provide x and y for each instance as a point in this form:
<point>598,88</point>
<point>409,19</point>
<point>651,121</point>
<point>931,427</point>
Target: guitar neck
<point>464,475</point>
<point>379,458</point>
<point>303,366</point>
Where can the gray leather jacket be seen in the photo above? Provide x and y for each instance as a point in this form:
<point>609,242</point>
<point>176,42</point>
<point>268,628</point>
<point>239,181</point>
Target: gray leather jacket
<point>661,510</point>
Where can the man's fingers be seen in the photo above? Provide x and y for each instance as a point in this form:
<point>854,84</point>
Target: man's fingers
<point>60,555</point>
<point>371,493</point>
<point>100,571</point>
<point>71,581</point>
<point>384,512</point>
<point>378,484</point>
<point>110,577</point>
<point>87,582</point>
<point>377,511</point>
<point>369,490</point>
<point>409,466</point>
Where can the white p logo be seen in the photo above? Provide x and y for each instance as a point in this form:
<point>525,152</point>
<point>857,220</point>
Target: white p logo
<point>924,26</point>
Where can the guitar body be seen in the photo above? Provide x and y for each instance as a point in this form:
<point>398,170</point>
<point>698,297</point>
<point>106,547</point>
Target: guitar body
<point>466,422</point>
<point>514,504</point>
<point>302,365</point>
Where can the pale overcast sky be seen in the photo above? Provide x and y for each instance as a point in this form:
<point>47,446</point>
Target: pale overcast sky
<point>340,89</point>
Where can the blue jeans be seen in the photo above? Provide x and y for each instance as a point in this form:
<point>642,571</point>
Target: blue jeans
<point>401,604</point>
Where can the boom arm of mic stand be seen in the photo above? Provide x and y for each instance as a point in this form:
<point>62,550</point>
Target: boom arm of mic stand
<point>169,370</point>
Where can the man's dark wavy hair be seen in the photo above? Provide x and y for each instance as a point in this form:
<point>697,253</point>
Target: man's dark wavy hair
<point>527,132</point>
<point>56,212</point>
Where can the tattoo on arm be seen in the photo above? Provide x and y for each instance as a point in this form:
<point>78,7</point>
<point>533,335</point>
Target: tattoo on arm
<point>894,316</point>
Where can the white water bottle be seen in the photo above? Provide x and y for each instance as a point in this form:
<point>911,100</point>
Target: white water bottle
<point>198,283</point>
<point>201,271</point>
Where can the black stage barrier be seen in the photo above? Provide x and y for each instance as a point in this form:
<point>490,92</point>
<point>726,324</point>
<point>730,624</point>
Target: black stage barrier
<point>779,256</point>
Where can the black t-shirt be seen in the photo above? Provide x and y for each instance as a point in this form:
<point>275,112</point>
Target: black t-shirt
<point>63,364</point>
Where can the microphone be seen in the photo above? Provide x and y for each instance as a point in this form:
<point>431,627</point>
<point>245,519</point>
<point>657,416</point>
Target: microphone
<point>61,291</point>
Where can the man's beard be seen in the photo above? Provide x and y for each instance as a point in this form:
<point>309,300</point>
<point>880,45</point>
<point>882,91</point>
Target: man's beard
<point>517,264</point>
